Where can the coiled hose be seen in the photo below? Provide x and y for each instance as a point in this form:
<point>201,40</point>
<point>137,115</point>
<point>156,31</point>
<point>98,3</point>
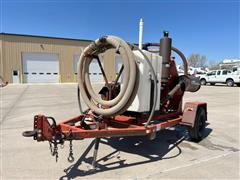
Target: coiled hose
<point>92,100</point>
<point>130,82</point>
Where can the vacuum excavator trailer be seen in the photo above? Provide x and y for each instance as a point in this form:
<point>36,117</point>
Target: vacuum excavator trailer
<point>145,97</point>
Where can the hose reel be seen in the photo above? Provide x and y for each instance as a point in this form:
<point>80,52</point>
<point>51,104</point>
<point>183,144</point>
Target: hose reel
<point>130,81</point>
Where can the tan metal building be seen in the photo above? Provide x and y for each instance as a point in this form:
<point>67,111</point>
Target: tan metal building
<point>40,59</point>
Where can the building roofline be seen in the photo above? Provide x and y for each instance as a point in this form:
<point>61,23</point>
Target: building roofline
<point>38,36</point>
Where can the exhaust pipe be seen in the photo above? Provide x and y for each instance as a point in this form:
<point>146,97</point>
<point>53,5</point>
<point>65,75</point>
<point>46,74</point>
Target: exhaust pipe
<point>165,52</point>
<point>140,39</point>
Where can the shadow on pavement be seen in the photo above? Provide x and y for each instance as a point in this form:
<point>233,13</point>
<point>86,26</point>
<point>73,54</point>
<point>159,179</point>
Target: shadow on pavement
<point>152,150</point>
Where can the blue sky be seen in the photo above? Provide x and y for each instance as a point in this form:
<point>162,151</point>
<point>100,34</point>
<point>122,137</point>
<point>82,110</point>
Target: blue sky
<point>209,27</point>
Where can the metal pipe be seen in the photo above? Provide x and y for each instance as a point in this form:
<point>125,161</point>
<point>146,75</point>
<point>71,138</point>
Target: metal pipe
<point>171,93</point>
<point>175,89</point>
<point>102,70</point>
<point>185,63</point>
<point>119,74</point>
<point>165,52</point>
<point>140,34</point>
<point>97,140</point>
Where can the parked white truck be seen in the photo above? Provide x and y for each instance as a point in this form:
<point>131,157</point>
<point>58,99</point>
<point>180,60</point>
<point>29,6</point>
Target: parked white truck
<point>220,76</point>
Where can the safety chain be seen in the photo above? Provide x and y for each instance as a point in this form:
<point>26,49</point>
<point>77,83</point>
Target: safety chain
<point>50,147</point>
<point>58,139</point>
<point>54,149</point>
<point>70,157</point>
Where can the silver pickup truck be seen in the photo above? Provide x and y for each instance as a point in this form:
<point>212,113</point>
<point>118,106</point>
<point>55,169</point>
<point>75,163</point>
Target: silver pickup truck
<point>220,76</point>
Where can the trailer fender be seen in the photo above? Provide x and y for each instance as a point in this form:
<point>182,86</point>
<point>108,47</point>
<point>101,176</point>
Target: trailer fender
<point>190,112</point>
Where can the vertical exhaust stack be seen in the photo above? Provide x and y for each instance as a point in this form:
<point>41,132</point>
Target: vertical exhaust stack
<point>140,40</point>
<point>165,52</point>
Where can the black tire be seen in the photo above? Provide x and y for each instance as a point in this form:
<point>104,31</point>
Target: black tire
<point>196,133</point>
<point>212,84</point>
<point>238,84</point>
<point>230,82</point>
<point>203,81</point>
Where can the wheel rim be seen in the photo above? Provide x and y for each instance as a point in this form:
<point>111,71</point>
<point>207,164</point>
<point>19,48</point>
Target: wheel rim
<point>203,82</point>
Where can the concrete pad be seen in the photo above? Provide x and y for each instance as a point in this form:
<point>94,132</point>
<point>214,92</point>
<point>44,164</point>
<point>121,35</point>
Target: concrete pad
<point>168,156</point>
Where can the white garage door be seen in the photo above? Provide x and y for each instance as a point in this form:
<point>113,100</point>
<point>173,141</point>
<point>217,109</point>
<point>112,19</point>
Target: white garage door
<point>40,68</point>
<point>95,72</point>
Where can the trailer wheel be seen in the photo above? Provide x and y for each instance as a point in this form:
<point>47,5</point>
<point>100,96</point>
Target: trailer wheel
<point>196,132</point>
